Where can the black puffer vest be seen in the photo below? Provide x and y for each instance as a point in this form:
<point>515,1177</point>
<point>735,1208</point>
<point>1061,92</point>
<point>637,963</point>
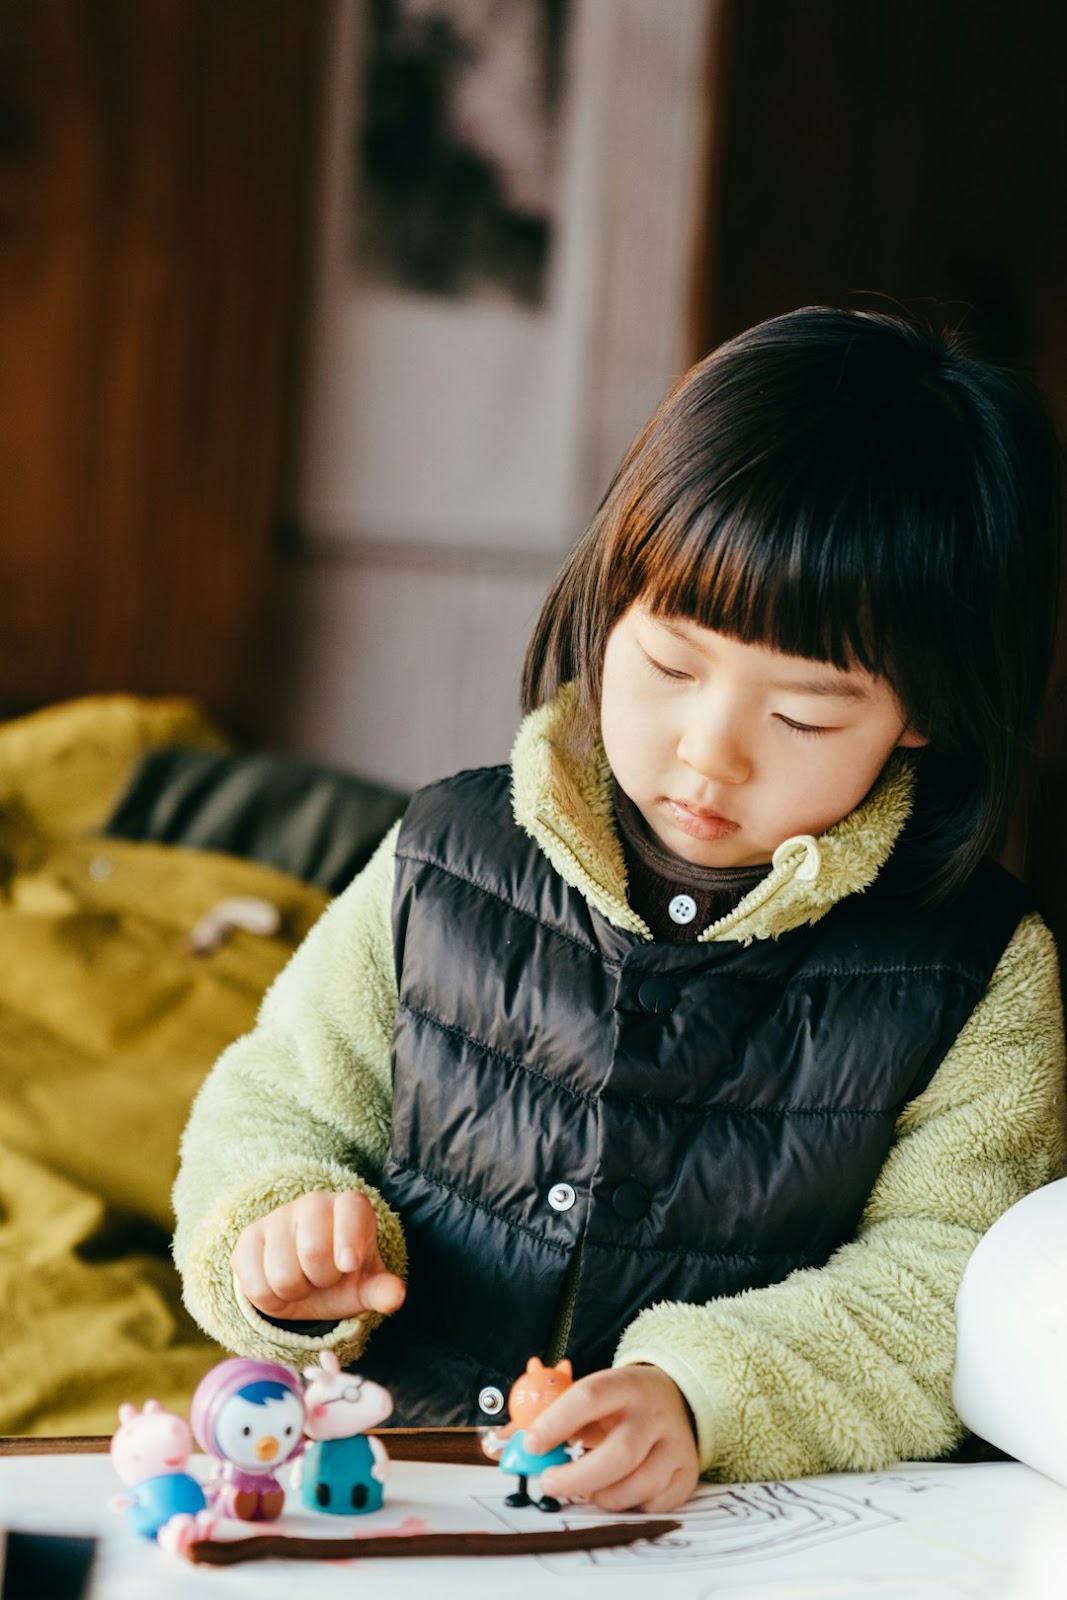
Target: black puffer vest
<point>583,1116</point>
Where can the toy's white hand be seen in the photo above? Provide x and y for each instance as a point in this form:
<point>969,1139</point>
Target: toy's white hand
<point>382,1464</point>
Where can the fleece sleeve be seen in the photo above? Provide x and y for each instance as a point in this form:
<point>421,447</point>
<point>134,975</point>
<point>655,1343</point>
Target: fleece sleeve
<point>848,1366</point>
<point>301,1103</point>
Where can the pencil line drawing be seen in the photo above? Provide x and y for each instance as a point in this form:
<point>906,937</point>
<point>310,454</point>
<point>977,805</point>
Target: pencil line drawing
<point>728,1524</point>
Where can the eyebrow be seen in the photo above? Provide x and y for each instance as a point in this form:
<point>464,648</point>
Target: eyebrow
<point>830,688</point>
<point>833,688</point>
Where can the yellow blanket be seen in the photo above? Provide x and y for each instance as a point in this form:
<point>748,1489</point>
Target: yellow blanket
<point>108,1023</point>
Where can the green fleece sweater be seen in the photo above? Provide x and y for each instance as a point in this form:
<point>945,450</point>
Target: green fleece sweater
<point>845,1366</point>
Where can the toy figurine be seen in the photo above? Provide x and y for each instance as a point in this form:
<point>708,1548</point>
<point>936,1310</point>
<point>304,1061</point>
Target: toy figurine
<point>342,1470</point>
<point>530,1394</point>
<point>250,1416</point>
<point>150,1450</point>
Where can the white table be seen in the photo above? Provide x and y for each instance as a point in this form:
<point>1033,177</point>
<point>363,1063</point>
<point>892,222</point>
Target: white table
<point>991,1531</point>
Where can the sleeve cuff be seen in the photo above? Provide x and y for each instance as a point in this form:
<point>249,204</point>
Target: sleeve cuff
<point>715,1426</point>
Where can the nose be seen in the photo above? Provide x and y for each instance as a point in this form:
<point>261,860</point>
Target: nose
<point>714,745</point>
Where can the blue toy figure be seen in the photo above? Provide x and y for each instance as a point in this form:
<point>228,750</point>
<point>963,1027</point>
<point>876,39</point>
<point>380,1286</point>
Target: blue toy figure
<point>149,1451</point>
<point>343,1470</point>
<point>530,1394</point>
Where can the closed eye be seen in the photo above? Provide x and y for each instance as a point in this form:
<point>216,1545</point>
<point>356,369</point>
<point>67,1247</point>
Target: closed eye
<point>805,729</point>
<point>658,670</point>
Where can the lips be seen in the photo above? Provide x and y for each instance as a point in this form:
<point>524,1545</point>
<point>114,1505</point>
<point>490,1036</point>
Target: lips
<point>699,822</point>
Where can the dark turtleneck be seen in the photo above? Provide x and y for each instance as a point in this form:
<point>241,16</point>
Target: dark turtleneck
<point>677,899</point>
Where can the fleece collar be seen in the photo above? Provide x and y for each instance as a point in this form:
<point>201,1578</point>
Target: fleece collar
<point>563,801</point>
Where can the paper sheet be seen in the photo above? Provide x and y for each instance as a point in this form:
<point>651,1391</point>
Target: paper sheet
<point>996,1531</point>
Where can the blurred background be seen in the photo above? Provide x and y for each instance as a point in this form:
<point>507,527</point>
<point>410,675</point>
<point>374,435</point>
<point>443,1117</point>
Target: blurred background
<point>323,323</point>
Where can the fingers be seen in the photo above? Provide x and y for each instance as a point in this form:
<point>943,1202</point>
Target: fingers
<point>353,1243</point>
<point>316,1257</point>
<point>643,1453</point>
<point>247,1263</point>
<point>612,1480</point>
<point>355,1250</point>
<point>609,1463</point>
<point>581,1409</point>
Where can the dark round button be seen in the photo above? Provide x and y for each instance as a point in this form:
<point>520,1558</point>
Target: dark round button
<point>630,1200</point>
<point>657,994</point>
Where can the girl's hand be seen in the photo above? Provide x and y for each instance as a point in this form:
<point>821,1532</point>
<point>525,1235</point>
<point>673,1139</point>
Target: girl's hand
<point>641,1453</point>
<point>316,1259</point>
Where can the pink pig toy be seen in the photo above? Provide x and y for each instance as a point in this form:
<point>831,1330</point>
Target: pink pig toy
<point>342,1470</point>
<point>149,1451</point>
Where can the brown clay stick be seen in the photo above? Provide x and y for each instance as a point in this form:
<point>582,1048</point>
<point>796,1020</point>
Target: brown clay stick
<point>262,1547</point>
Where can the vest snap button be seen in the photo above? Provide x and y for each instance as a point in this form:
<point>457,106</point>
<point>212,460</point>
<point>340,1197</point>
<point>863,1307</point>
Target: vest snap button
<point>657,994</point>
<point>561,1196</point>
<point>630,1200</point>
<point>491,1400</point>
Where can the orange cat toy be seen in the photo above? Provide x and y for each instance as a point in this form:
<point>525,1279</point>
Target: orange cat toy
<point>530,1394</point>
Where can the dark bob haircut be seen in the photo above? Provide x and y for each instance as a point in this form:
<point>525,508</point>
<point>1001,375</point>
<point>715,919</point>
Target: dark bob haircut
<point>846,487</point>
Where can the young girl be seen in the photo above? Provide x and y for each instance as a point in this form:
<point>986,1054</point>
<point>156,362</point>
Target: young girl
<point>701,1044</point>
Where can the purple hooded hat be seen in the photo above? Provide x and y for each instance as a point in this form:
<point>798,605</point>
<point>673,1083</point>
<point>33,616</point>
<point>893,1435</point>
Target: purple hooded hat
<point>227,1379</point>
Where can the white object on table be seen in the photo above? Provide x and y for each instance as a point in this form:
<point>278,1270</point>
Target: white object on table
<point>1010,1383</point>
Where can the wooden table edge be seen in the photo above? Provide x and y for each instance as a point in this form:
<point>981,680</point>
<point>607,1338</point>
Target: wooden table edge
<point>454,1446</point>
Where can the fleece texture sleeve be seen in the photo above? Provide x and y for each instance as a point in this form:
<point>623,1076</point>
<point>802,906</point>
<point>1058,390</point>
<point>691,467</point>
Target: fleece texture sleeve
<point>301,1103</point>
<point>848,1366</point>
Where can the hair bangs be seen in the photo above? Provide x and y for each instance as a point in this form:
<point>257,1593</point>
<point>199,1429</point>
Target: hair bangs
<point>797,584</point>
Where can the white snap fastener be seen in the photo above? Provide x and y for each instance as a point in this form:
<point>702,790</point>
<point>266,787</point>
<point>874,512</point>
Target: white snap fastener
<point>561,1197</point>
<point>491,1400</point>
<point>99,869</point>
<point>683,908</point>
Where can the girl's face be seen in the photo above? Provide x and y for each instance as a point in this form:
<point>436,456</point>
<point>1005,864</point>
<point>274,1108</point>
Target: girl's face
<point>728,748</point>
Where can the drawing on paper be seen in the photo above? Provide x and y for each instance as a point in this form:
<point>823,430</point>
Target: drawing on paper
<point>727,1524</point>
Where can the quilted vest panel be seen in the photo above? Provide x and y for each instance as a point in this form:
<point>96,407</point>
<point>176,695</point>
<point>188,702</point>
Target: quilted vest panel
<point>583,1116</point>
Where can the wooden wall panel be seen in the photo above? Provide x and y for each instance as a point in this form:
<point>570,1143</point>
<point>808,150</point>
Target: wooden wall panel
<point>154,157</point>
<point>911,156</point>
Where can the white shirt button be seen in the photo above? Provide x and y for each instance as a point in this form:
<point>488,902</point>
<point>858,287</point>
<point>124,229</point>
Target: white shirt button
<point>491,1400</point>
<point>683,908</point>
<point>561,1197</point>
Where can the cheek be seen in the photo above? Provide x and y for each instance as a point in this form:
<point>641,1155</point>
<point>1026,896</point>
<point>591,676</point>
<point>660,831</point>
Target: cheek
<point>628,752</point>
<point>838,781</point>
<point>635,733</point>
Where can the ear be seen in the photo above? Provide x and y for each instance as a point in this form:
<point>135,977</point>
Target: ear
<point>150,1406</point>
<point>534,1364</point>
<point>330,1363</point>
<point>912,739</point>
<point>565,1367</point>
<point>127,1412</point>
